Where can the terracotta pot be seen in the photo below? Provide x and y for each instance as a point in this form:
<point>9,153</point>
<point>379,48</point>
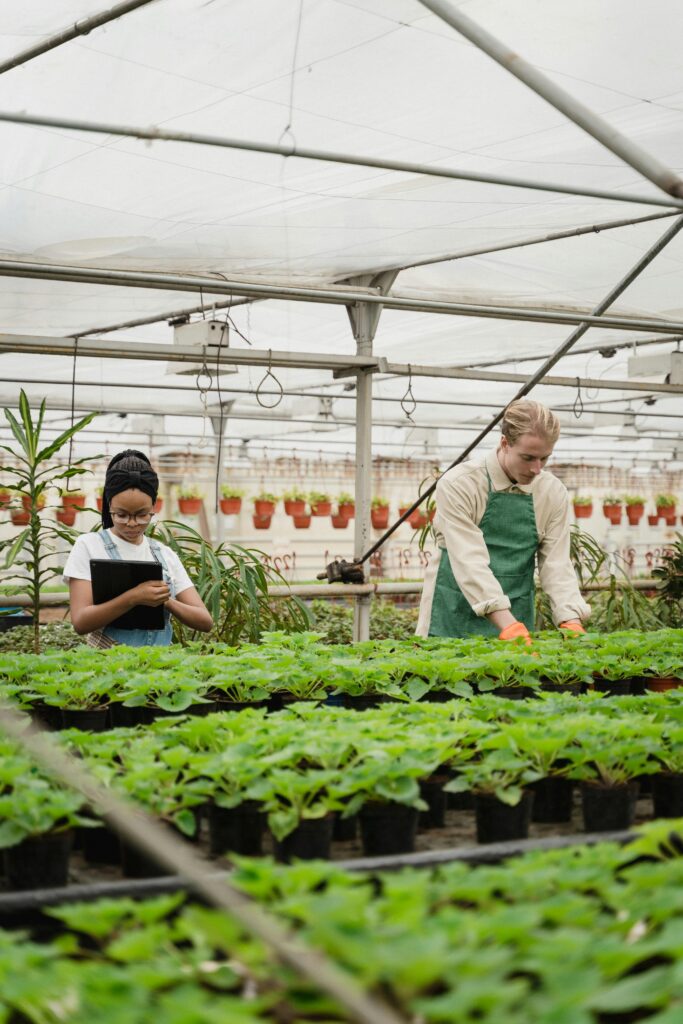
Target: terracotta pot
<point>158,505</point>
<point>404,509</point>
<point>670,519</point>
<point>666,510</point>
<point>417,520</point>
<point>21,518</point>
<point>74,498</point>
<point>66,516</point>
<point>230,506</point>
<point>26,502</point>
<point>380,517</point>
<point>611,510</point>
<point>295,507</point>
<point>321,508</point>
<point>634,513</point>
<point>263,508</point>
<point>583,511</point>
<point>663,685</point>
<point>301,522</point>
<point>615,519</point>
<point>261,522</point>
<point>99,502</point>
<point>5,499</point>
<point>347,509</point>
<point>653,520</point>
<point>340,522</point>
<point>189,506</point>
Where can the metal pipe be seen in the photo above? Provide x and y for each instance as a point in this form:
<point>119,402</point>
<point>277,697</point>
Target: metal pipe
<point>147,834</point>
<point>603,132</point>
<point>80,28</point>
<point>553,236</point>
<point>540,374</point>
<point>328,156</point>
<point>330,294</point>
<point>602,347</point>
<point>171,314</point>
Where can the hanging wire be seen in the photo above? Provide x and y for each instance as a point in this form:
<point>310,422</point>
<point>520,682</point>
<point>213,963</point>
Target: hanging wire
<point>288,130</point>
<point>267,374</point>
<point>73,410</point>
<point>203,388</point>
<point>577,407</point>
<point>225,333</point>
<point>408,402</point>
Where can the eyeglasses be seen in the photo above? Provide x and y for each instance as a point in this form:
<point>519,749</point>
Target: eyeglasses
<point>142,518</point>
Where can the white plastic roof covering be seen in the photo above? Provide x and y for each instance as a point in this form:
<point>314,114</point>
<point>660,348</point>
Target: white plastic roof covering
<point>383,78</point>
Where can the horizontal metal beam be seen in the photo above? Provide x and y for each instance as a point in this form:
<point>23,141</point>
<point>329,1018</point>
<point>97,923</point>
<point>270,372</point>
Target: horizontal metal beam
<point>332,294</point>
<point>599,129</point>
<point>170,314</point>
<point>588,350</point>
<point>341,366</point>
<point>79,28</point>
<point>328,156</point>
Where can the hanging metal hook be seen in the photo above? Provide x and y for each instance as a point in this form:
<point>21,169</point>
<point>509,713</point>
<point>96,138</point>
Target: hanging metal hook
<point>267,374</point>
<point>408,402</point>
<point>577,408</point>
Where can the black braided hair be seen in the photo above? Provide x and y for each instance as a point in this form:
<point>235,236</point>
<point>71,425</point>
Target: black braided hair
<point>127,470</point>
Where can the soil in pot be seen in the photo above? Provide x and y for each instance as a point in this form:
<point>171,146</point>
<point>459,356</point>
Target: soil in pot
<point>432,792</point>
<point>387,828</point>
<point>310,840</point>
<point>497,822</point>
<point>608,808</point>
<point>552,800</point>
<point>100,845</point>
<point>667,795</point>
<point>41,862</point>
<point>91,720</point>
<point>345,829</point>
<point>236,829</point>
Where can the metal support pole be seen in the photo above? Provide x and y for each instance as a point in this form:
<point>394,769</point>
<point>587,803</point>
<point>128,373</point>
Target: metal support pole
<point>627,150</point>
<point>328,156</point>
<point>364,319</point>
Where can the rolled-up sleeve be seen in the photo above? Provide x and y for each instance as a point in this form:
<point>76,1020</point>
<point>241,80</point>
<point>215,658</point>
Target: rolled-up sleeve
<point>556,573</point>
<point>456,520</point>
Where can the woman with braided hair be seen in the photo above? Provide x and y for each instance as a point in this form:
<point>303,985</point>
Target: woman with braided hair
<point>130,492</point>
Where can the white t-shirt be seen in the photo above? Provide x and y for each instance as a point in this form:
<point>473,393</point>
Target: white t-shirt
<point>91,545</point>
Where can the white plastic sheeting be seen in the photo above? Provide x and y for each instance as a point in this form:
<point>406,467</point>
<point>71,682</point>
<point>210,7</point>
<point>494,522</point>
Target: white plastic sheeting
<point>382,78</point>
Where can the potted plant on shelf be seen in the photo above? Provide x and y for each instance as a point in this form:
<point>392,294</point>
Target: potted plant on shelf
<point>635,507</point>
<point>321,503</point>
<point>666,508</point>
<point>611,509</point>
<point>346,503</point>
<point>583,506</point>
<point>379,513</point>
<point>231,500</point>
<point>264,503</point>
<point>295,502</point>
<point>190,501</point>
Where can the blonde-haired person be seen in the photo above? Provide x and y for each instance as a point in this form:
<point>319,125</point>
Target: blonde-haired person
<point>497,519</point>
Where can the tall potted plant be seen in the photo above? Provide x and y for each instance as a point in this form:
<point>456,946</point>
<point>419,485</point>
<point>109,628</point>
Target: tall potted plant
<point>33,475</point>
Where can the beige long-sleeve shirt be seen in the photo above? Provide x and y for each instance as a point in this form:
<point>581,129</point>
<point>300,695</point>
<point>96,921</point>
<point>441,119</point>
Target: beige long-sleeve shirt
<point>461,496</point>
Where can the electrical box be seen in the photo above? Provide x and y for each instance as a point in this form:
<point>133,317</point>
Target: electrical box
<point>666,367</point>
<point>208,337</point>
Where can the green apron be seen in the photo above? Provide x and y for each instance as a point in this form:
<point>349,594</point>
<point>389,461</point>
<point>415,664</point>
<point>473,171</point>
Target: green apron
<point>510,534</point>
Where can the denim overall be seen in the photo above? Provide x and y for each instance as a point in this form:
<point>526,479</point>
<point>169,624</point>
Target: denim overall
<point>141,637</point>
<point>510,534</point>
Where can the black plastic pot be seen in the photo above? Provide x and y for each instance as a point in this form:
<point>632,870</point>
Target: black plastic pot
<point>608,808</point>
<point>498,822</point>
<point>123,717</point>
<point>616,687</point>
<point>387,828</point>
<point>574,688</point>
<point>363,701</point>
<point>237,705</point>
<point>440,696</point>
<point>667,795</point>
<point>460,801</point>
<point>345,829</point>
<point>100,845</point>
<point>136,864</point>
<point>432,792</point>
<point>199,710</point>
<point>47,716</point>
<point>39,862</point>
<point>552,800</point>
<point>92,720</point>
<point>310,840</point>
<point>236,829</point>
<point>510,692</point>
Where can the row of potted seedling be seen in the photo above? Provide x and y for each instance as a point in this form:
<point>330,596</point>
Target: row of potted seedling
<point>577,935</point>
<point>71,502</point>
<point>308,769</point>
<point>634,504</point>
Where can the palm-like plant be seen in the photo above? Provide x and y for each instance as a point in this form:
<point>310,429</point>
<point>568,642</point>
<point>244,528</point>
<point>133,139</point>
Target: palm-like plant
<point>32,475</point>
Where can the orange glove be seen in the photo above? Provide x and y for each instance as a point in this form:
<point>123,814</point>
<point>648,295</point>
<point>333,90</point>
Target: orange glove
<point>572,626</point>
<point>515,630</point>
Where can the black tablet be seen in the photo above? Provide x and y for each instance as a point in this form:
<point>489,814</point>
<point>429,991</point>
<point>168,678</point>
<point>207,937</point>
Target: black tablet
<point>112,576</point>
